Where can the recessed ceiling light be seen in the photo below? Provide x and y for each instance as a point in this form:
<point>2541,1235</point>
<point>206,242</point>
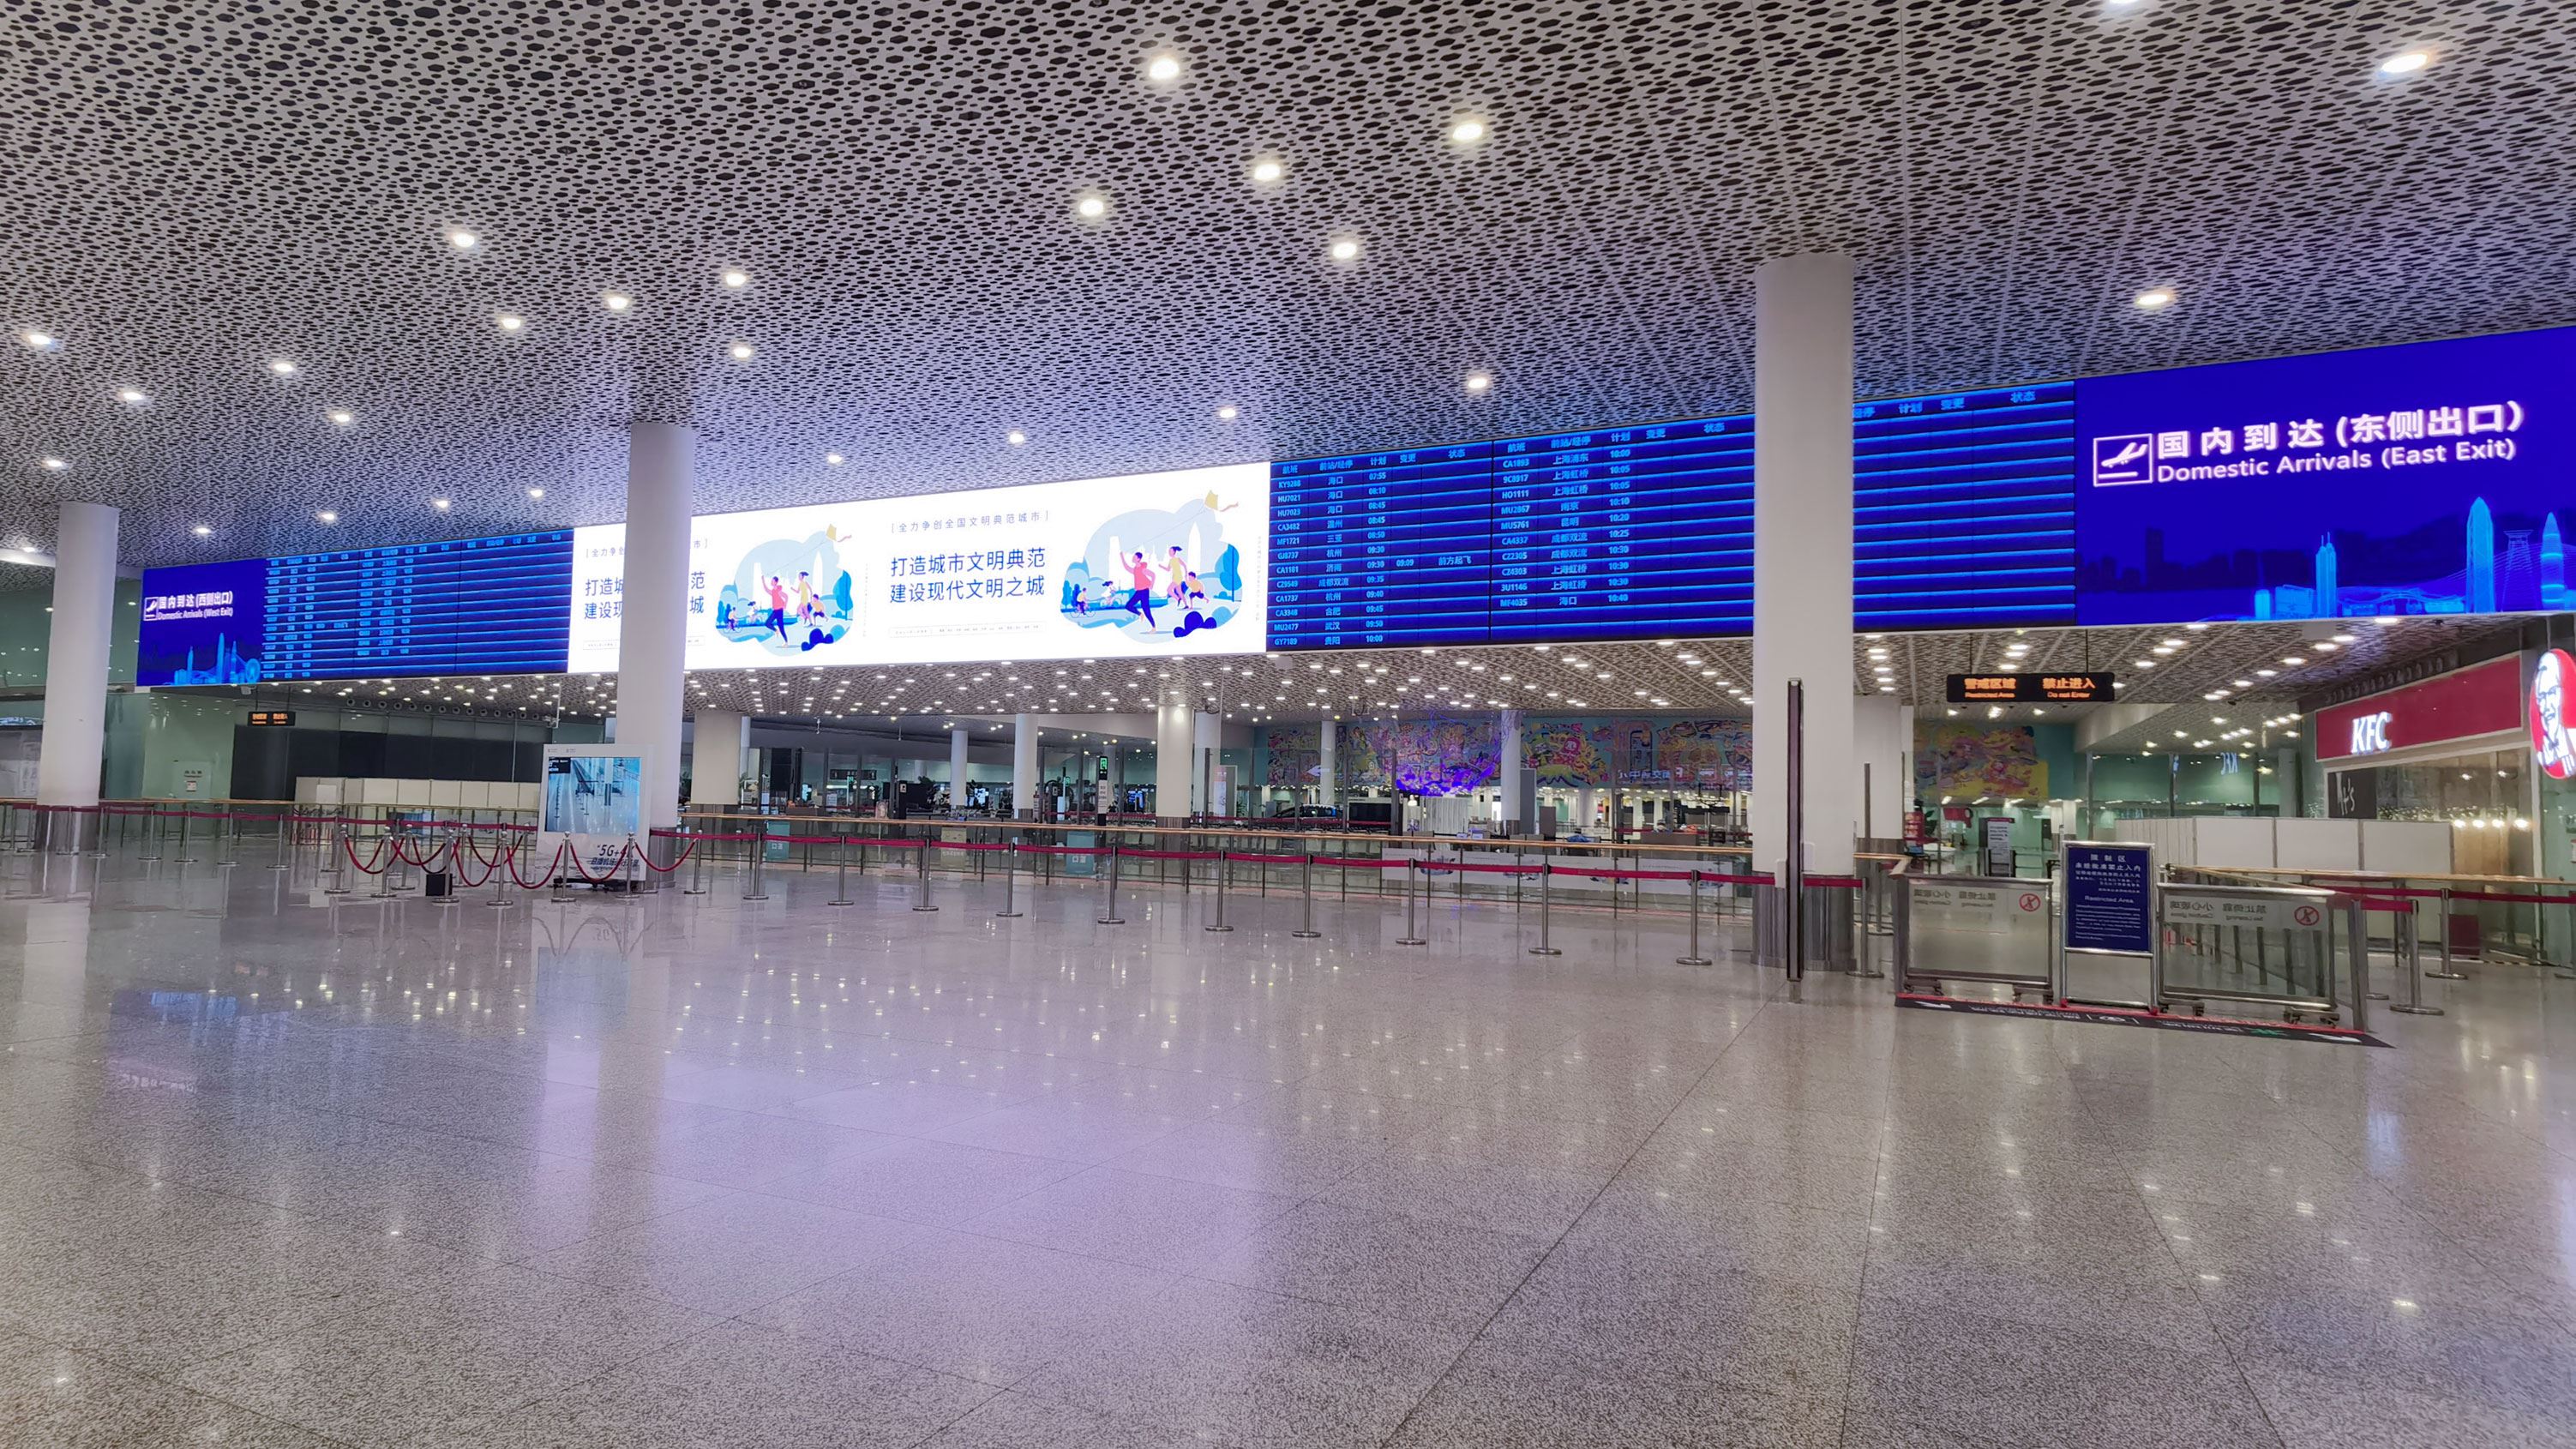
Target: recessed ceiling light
<point>832,459</point>
<point>441,504</point>
<point>38,340</point>
<point>510,322</point>
<point>2406,62</point>
<point>1268,171</point>
<point>2153,299</point>
<point>741,352</point>
<point>1016,437</point>
<point>1162,67</point>
<point>282,367</point>
<point>1090,205</point>
<point>1228,413</point>
<point>133,397</point>
<point>735,278</point>
<point>617,301</point>
<point>327,516</point>
<point>1468,131</point>
<point>459,239</point>
<point>341,417</point>
<point>53,464</point>
<point>1345,249</point>
<point>1480,382</point>
<point>536,493</point>
<point>201,531</point>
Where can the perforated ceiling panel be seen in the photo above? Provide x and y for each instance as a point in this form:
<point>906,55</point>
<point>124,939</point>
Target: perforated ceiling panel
<point>197,190</point>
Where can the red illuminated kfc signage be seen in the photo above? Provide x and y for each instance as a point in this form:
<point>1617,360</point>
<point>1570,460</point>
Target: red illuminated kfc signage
<point>2483,699</point>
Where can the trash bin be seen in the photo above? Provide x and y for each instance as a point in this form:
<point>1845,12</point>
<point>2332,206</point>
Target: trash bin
<point>436,885</point>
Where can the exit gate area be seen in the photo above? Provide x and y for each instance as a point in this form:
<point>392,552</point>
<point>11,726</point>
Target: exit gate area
<point>2267,959</point>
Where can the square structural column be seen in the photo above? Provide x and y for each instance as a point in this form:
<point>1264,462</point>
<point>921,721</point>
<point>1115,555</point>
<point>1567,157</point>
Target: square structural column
<point>74,740</point>
<point>1802,554</point>
<point>1883,764</point>
<point>1024,767</point>
<point>1328,791</point>
<point>719,747</point>
<point>1176,738</point>
<point>1514,798</point>
<point>652,637</point>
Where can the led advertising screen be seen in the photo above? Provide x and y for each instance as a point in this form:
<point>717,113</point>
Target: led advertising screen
<point>1149,566</point>
<point>2426,478</point>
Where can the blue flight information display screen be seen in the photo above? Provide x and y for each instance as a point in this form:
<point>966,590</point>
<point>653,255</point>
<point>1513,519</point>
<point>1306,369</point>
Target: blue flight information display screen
<point>1963,514</point>
<point>1597,535</point>
<point>464,606</point>
<point>1382,548</point>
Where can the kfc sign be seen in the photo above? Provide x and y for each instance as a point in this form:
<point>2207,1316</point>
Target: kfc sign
<point>2465,704</point>
<point>2551,749</point>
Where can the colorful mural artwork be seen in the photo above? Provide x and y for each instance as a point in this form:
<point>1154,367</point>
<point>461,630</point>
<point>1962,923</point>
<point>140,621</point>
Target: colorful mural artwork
<point>1964,761</point>
<point>1567,751</point>
<point>1420,757</point>
<point>1447,757</point>
<point>1293,754</point>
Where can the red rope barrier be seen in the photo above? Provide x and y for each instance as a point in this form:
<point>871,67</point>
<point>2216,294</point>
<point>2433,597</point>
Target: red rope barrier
<point>676,861</point>
<point>614,866</point>
<point>378,854</point>
<point>552,871</point>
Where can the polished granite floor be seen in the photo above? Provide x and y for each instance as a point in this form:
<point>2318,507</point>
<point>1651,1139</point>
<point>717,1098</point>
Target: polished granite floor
<point>285,1169</point>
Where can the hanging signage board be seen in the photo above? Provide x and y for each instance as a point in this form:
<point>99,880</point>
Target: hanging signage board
<point>278,718</point>
<point>2035,688</point>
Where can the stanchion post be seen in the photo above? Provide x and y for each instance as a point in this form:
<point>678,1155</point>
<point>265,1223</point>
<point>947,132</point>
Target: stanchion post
<point>1306,886</point>
<point>507,864</point>
<point>699,850</point>
<point>184,857</point>
<point>2410,959</point>
<point>340,867</point>
<point>1109,906</point>
<point>1694,958</point>
<point>2448,972</point>
<point>151,836</point>
<point>1412,933</point>
<point>2357,933</point>
<point>922,855</point>
<point>1224,869</point>
<point>285,828</point>
<point>840,871</point>
<point>1010,870</point>
<point>1546,894</point>
<point>757,886</point>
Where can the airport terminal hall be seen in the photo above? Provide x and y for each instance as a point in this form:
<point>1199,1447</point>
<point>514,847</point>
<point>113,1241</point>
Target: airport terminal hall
<point>1660,724</point>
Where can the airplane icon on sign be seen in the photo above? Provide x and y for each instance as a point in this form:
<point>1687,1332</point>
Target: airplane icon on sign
<point>2121,460</point>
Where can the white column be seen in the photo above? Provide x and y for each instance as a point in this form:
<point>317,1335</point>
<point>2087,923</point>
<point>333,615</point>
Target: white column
<point>1802,552</point>
<point>661,467</point>
<point>1883,740</point>
<point>719,742</point>
<point>957,772</point>
<point>1176,736</point>
<point>1327,787</point>
<point>75,734</point>
<point>1024,768</point>
<point>1507,736</point>
<point>1207,745</point>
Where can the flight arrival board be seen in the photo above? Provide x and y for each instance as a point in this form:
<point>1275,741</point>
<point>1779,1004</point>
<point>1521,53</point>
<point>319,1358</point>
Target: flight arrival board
<point>1382,548</point>
<point>1964,509</point>
<point>1963,516</point>
<point>1598,535</point>
<point>465,606</point>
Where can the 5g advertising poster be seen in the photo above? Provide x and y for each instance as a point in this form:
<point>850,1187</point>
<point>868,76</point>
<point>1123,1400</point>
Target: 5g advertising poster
<point>1149,566</point>
<point>2426,478</point>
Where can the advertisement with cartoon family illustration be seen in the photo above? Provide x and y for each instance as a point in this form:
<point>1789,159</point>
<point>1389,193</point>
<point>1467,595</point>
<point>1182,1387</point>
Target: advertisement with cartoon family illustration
<point>1147,566</point>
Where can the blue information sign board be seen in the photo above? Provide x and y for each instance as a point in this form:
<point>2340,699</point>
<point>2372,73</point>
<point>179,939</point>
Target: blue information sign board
<point>2110,898</point>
